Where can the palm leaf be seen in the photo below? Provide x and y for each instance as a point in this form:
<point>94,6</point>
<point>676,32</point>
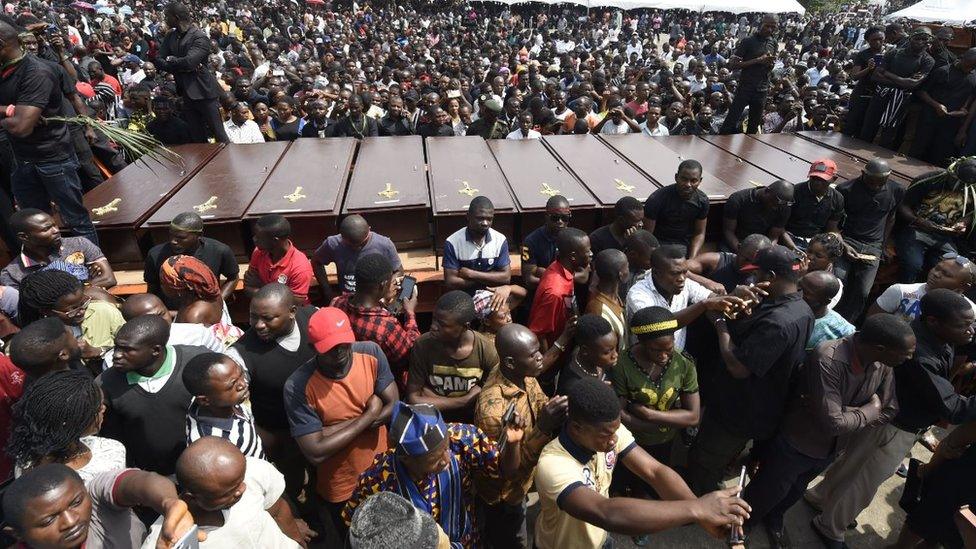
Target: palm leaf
<point>137,146</point>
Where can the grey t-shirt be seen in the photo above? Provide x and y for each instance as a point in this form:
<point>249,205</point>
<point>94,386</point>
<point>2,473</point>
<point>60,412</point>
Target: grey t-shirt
<point>76,252</point>
<point>112,527</point>
<point>334,250</point>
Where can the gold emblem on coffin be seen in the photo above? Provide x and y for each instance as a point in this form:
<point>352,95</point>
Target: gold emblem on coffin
<point>621,186</point>
<point>389,192</point>
<point>112,206</point>
<point>295,196</point>
<point>210,204</point>
<point>467,189</point>
<point>548,191</point>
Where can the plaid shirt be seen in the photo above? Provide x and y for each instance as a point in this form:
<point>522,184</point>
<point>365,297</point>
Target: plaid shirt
<point>475,452</point>
<point>380,325</point>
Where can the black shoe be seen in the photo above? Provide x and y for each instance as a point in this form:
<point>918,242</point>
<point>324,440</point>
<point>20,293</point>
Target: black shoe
<point>828,543</point>
<point>778,538</point>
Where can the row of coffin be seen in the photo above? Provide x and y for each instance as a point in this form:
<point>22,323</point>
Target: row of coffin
<point>416,191</point>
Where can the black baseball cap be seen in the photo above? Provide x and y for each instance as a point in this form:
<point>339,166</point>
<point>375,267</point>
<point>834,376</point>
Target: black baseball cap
<point>776,259</point>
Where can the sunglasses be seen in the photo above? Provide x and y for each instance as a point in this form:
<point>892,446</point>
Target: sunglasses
<point>962,260</point>
<point>560,217</point>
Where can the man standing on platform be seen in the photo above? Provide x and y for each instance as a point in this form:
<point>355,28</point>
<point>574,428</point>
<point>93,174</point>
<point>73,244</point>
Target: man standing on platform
<point>184,53</point>
<point>539,247</point>
<point>677,214</point>
<point>476,257</point>
<point>355,239</point>
<point>753,57</point>
<point>185,239</point>
<point>47,166</point>
<point>276,259</point>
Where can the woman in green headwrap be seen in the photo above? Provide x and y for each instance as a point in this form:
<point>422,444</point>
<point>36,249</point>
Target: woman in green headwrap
<point>657,384</point>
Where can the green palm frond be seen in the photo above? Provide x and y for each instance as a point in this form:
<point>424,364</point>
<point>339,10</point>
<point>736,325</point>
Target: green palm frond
<point>139,147</point>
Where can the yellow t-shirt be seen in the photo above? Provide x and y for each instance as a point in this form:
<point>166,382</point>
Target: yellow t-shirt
<point>563,467</point>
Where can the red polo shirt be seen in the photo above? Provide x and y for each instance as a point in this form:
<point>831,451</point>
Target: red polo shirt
<point>294,270</point>
<point>553,303</point>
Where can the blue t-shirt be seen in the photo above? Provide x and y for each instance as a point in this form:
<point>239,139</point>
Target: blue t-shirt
<point>831,326</point>
<point>461,251</point>
<point>539,248</point>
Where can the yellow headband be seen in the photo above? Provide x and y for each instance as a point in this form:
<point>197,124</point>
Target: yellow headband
<point>655,327</point>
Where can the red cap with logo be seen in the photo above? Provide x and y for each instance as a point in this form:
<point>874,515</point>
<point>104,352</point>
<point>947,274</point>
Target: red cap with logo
<point>329,327</point>
<point>824,169</point>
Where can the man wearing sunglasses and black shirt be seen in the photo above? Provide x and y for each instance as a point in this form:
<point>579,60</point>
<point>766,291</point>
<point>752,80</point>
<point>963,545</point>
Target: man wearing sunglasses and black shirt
<point>539,247</point>
<point>763,210</point>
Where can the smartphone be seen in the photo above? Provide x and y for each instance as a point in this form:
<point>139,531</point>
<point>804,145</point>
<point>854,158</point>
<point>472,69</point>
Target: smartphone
<point>453,93</point>
<point>407,286</point>
<point>277,72</point>
<point>189,539</point>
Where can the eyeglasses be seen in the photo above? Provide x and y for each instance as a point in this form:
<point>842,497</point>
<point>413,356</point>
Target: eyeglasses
<point>80,308</point>
<point>962,260</point>
<point>560,217</point>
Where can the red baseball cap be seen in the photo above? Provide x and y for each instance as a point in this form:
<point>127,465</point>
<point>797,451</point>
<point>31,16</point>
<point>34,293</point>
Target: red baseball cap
<point>329,327</point>
<point>824,169</point>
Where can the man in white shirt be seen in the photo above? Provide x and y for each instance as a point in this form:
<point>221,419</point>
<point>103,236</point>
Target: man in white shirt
<point>653,126</point>
<point>954,272</point>
<point>635,47</point>
<point>240,128</point>
<point>235,500</point>
<point>817,71</point>
<point>524,131</point>
<point>133,73</point>
<point>667,286</point>
<point>616,121</point>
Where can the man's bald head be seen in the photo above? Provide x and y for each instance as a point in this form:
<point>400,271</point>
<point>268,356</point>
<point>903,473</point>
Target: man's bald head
<point>782,189</point>
<point>354,228</point>
<point>513,340</point>
<point>144,304</point>
<point>877,167</point>
<point>818,288</point>
<point>206,460</point>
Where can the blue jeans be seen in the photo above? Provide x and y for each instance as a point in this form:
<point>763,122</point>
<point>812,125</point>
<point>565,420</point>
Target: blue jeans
<point>37,184</point>
<point>918,251</point>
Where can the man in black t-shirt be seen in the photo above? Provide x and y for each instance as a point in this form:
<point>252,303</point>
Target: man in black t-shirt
<point>946,95</point>
<point>870,204</point>
<point>47,166</point>
<point>754,57</point>
<point>677,214</point>
<point>900,73</point>
<point>185,239</point>
<point>628,216</point>
<point>764,210</point>
<point>817,207</point>
<point>865,61</point>
<point>539,247</point>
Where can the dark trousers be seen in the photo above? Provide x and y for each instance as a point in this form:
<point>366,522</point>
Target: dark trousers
<point>202,116</point>
<point>858,277</point>
<point>7,166</point>
<point>88,173</point>
<point>934,139</point>
<point>783,476</point>
<point>503,526</point>
<point>855,115</point>
<point>715,448</point>
<point>37,184</point>
<point>756,101</point>
<point>335,529</point>
<point>888,136</point>
<point>918,251</point>
<point>625,480</point>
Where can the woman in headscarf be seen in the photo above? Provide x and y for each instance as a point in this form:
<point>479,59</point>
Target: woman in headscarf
<point>189,282</point>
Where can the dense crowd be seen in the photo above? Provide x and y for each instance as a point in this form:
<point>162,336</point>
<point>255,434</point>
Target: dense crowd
<point>620,377</point>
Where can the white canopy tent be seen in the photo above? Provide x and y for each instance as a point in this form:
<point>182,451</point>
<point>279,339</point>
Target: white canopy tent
<point>731,6</point>
<point>950,12</point>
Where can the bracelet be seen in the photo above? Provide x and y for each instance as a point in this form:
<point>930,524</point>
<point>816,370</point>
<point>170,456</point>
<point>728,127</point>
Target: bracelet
<point>10,110</point>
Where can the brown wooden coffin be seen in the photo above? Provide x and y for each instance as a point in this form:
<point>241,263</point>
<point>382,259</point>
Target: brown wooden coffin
<point>534,175</point>
<point>221,192</point>
<point>660,163</point>
<point>734,171</point>
<point>605,173</point>
<point>906,167</point>
<point>765,157</point>
<point>307,187</point>
<point>120,205</point>
<point>462,168</point>
<point>389,188</point>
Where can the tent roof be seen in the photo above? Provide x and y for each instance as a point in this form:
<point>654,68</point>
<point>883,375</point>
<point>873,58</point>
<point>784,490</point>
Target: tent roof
<point>733,6</point>
<point>953,12</point>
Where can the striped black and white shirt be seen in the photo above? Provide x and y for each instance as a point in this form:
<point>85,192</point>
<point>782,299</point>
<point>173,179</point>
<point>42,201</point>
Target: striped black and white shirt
<point>239,429</point>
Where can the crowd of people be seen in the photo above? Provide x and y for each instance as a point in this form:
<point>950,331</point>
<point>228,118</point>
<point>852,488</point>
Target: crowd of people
<point>621,377</point>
